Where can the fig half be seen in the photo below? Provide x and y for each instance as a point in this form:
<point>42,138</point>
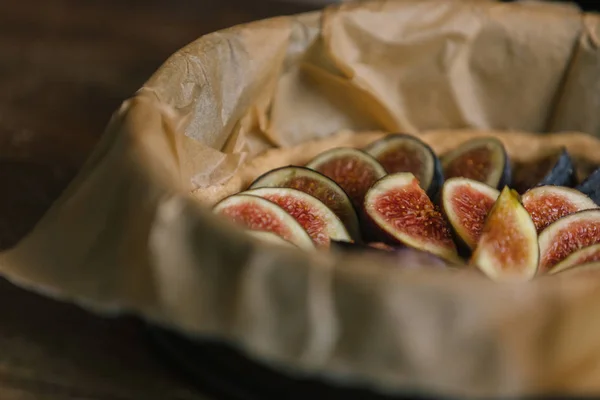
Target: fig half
<point>317,185</point>
<point>258,214</point>
<point>482,159</point>
<point>567,235</point>
<point>591,186</point>
<point>354,170</point>
<point>553,168</point>
<point>315,217</point>
<point>406,153</point>
<point>547,204</point>
<point>399,207</point>
<point>585,255</point>
<point>508,248</point>
<point>466,204</point>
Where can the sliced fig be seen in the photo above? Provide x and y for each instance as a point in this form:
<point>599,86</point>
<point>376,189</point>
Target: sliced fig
<point>400,208</point>
<point>317,185</point>
<point>269,237</point>
<point>591,186</point>
<point>354,170</point>
<point>482,159</point>
<point>508,248</point>
<point>315,217</point>
<point>258,214</point>
<point>567,235</point>
<point>466,204</point>
<point>406,153</point>
<point>591,268</point>
<point>547,204</point>
<point>552,168</point>
<point>585,255</point>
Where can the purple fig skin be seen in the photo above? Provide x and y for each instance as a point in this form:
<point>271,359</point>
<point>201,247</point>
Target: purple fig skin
<point>555,168</point>
<point>591,186</point>
<point>437,176</point>
<point>503,167</point>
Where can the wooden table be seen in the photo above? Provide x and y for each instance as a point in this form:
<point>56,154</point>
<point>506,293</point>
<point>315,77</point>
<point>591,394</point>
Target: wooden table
<point>65,66</point>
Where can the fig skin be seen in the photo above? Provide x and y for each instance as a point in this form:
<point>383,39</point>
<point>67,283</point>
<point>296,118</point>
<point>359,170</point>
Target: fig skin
<point>350,175</point>
<point>270,237</point>
<point>311,211</point>
<point>549,203</point>
<point>429,173</point>
<point>586,255</point>
<point>317,185</point>
<point>249,211</point>
<point>511,255</point>
<point>591,186</point>
<point>554,168</point>
<point>466,237</point>
<point>499,169</point>
<point>400,212</point>
<point>556,241</point>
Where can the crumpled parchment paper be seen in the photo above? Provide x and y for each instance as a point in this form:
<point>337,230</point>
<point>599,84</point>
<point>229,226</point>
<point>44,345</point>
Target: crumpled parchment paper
<point>134,232</point>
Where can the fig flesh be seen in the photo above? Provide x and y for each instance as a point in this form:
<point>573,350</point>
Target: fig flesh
<point>354,170</point>
<point>316,185</point>
<point>466,204</point>
<point>553,168</point>
<point>316,218</point>
<point>269,237</point>
<point>407,153</point>
<point>258,214</point>
<point>591,186</point>
<point>547,204</point>
<point>586,255</point>
<point>402,211</point>
<point>482,159</point>
<point>508,248</point>
<point>567,235</point>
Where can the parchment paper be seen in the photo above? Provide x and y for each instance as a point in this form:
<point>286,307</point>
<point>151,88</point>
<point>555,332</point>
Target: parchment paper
<point>134,233</point>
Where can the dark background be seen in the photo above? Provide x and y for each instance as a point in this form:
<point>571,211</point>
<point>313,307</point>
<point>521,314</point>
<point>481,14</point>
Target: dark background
<point>65,67</point>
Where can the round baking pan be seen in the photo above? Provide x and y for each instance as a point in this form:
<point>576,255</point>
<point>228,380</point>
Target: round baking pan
<point>224,373</point>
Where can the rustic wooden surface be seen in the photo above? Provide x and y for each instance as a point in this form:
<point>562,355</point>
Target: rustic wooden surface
<point>65,66</point>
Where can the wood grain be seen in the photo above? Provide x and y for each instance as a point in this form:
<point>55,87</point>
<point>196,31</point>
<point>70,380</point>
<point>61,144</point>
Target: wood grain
<point>66,66</point>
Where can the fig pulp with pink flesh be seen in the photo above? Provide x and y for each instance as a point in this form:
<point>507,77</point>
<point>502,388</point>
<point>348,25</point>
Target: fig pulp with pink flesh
<point>586,255</point>
<point>406,153</point>
<point>315,217</point>
<point>567,235</point>
<point>481,159</point>
<point>401,209</point>
<point>316,185</point>
<point>256,213</point>
<point>354,170</point>
<point>508,248</point>
<point>466,204</point>
<point>553,168</point>
<point>547,204</point>
<point>591,186</point>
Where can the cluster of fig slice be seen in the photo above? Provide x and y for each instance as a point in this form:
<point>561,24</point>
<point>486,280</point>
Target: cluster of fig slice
<point>468,207</point>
